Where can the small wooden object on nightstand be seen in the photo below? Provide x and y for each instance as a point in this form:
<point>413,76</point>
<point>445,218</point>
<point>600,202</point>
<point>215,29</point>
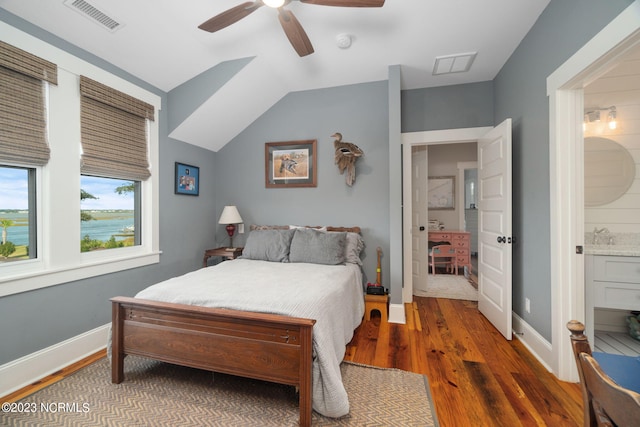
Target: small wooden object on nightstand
<point>226,253</point>
<point>375,302</point>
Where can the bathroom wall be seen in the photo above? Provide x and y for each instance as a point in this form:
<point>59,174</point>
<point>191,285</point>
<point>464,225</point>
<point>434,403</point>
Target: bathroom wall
<point>619,87</point>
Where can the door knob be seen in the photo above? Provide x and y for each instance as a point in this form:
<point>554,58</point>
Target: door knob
<point>502,239</point>
<point>422,228</point>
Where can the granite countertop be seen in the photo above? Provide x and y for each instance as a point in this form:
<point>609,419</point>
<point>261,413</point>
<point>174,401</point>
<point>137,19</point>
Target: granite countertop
<point>614,250</point>
<point>622,244</point>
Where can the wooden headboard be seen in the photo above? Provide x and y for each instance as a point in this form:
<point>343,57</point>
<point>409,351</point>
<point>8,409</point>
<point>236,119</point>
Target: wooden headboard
<point>286,227</point>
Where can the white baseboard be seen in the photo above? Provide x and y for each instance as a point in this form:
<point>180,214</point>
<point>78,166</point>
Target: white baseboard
<point>396,313</point>
<point>533,341</point>
<point>32,367</point>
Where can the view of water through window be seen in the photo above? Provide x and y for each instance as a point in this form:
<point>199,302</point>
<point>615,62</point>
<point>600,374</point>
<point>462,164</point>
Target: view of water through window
<point>15,214</point>
<point>107,213</point>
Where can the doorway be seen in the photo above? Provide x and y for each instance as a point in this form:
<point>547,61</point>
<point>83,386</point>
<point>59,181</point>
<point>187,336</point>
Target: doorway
<point>468,173</point>
<point>417,144</point>
<point>494,177</point>
<point>612,203</point>
<point>566,110</point>
<point>455,164</point>
<point>494,224</point>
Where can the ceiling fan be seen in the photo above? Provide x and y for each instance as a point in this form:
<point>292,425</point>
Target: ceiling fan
<point>292,28</point>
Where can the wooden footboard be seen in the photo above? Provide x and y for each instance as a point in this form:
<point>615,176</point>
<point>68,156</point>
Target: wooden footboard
<point>254,345</point>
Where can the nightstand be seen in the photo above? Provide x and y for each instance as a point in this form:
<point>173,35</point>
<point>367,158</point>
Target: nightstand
<point>226,253</point>
<point>376,302</point>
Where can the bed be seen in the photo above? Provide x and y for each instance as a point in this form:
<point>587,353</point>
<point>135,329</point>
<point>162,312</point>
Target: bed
<point>282,312</point>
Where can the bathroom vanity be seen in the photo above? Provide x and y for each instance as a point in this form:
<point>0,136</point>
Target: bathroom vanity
<point>612,278</point>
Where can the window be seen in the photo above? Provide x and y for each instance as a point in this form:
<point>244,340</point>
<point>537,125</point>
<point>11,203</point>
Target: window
<point>24,80</point>
<point>110,210</point>
<point>17,214</point>
<point>114,129</point>
<point>65,166</point>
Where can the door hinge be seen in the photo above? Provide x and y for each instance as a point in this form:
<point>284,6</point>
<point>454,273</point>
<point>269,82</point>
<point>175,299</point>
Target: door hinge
<point>579,250</point>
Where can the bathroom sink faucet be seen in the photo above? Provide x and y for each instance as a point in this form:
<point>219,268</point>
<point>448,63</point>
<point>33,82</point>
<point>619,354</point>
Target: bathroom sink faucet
<point>597,233</point>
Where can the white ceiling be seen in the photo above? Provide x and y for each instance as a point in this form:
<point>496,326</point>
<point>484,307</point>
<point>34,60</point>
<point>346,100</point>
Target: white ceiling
<point>161,44</point>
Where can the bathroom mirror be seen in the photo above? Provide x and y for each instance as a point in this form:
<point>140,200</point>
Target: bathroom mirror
<point>609,171</point>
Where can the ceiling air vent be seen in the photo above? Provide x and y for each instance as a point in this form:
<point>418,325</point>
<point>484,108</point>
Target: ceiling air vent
<point>94,14</point>
<point>459,63</point>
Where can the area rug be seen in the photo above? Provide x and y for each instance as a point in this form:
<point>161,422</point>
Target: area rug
<point>161,394</point>
<point>449,286</point>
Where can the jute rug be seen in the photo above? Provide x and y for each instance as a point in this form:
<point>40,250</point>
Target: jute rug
<point>161,394</point>
<point>448,286</point>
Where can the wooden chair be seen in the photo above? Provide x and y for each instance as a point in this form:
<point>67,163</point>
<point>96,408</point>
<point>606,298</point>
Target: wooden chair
<point>436,255</point>
<point>605,402</point>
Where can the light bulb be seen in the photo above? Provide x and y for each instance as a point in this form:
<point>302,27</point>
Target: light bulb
<point>612,119</point>
<point>273,3</point>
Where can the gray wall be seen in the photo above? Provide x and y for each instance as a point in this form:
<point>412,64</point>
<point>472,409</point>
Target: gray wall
<point>447,107</point>
<point>520,93</point>
<point>34,320</point>
<point>360,113</point>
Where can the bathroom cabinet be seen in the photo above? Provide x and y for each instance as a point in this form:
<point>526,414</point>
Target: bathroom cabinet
<point>612,282</point>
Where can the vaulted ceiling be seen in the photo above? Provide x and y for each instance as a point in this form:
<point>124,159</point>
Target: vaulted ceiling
<point>245,68</point>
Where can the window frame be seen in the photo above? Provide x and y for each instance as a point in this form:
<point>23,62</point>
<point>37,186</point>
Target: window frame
<point>58,258</point>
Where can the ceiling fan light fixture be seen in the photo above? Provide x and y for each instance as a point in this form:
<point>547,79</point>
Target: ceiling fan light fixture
<point>274,3</point>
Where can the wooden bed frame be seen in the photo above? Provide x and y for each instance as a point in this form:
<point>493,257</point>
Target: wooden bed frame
<point>256,345</point>
<point>263,346</point>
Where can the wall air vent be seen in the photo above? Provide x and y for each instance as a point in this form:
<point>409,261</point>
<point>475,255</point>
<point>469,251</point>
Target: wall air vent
<point>94,14</point>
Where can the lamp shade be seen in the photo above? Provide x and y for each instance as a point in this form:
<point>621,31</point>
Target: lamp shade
<point>230,215</point>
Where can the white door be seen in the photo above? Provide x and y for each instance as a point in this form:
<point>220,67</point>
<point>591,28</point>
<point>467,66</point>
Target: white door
<point>419,216</point>
<point>494,227</point>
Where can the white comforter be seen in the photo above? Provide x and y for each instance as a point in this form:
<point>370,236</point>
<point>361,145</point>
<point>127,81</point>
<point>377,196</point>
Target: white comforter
<point>332,295</point>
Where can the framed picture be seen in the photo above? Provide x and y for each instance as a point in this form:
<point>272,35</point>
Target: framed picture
<point>290,164</point>
<point>442,192</point>
<point>187,179</point>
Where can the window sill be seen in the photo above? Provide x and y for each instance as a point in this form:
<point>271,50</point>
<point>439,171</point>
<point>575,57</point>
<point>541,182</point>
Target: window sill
<point>23,282</point>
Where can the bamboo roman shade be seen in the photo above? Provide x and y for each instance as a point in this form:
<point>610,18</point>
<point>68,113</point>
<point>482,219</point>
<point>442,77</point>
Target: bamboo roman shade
<point>114,132</point>
<point>23,125</point>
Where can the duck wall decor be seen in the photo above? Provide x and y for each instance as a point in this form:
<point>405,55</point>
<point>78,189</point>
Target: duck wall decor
<point>346,155</point>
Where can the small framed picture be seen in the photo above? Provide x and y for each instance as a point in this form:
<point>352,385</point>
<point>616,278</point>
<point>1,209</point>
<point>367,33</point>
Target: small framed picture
<point>187,179</point>
<point>442,192</point>
<point>290,164</point>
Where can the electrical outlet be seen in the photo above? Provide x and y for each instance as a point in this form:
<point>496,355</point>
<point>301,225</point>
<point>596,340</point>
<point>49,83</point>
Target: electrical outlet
<point>527,305</point>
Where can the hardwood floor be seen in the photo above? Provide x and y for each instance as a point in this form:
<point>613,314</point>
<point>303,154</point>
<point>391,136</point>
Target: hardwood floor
<point>477,377</point>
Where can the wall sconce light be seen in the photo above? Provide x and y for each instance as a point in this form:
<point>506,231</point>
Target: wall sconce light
<point>231,217</point>
<point>592,115</point>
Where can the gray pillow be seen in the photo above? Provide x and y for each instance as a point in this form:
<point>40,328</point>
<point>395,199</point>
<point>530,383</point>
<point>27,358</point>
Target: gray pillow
<point>353,247</point>
<point>268,245</point>
<point>317,247</point>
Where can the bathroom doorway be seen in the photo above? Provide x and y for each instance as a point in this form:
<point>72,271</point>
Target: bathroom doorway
<point>612,199</point>
<point>469,173</point>
<point>566,112</point>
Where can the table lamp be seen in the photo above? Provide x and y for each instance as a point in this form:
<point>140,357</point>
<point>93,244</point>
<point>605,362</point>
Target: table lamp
<point>231,217</point>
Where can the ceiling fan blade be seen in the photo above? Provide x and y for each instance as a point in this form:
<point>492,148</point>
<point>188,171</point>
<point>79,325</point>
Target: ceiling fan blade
<point>295,33</point>
<point>230,16</point>
<point>346,3</point>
